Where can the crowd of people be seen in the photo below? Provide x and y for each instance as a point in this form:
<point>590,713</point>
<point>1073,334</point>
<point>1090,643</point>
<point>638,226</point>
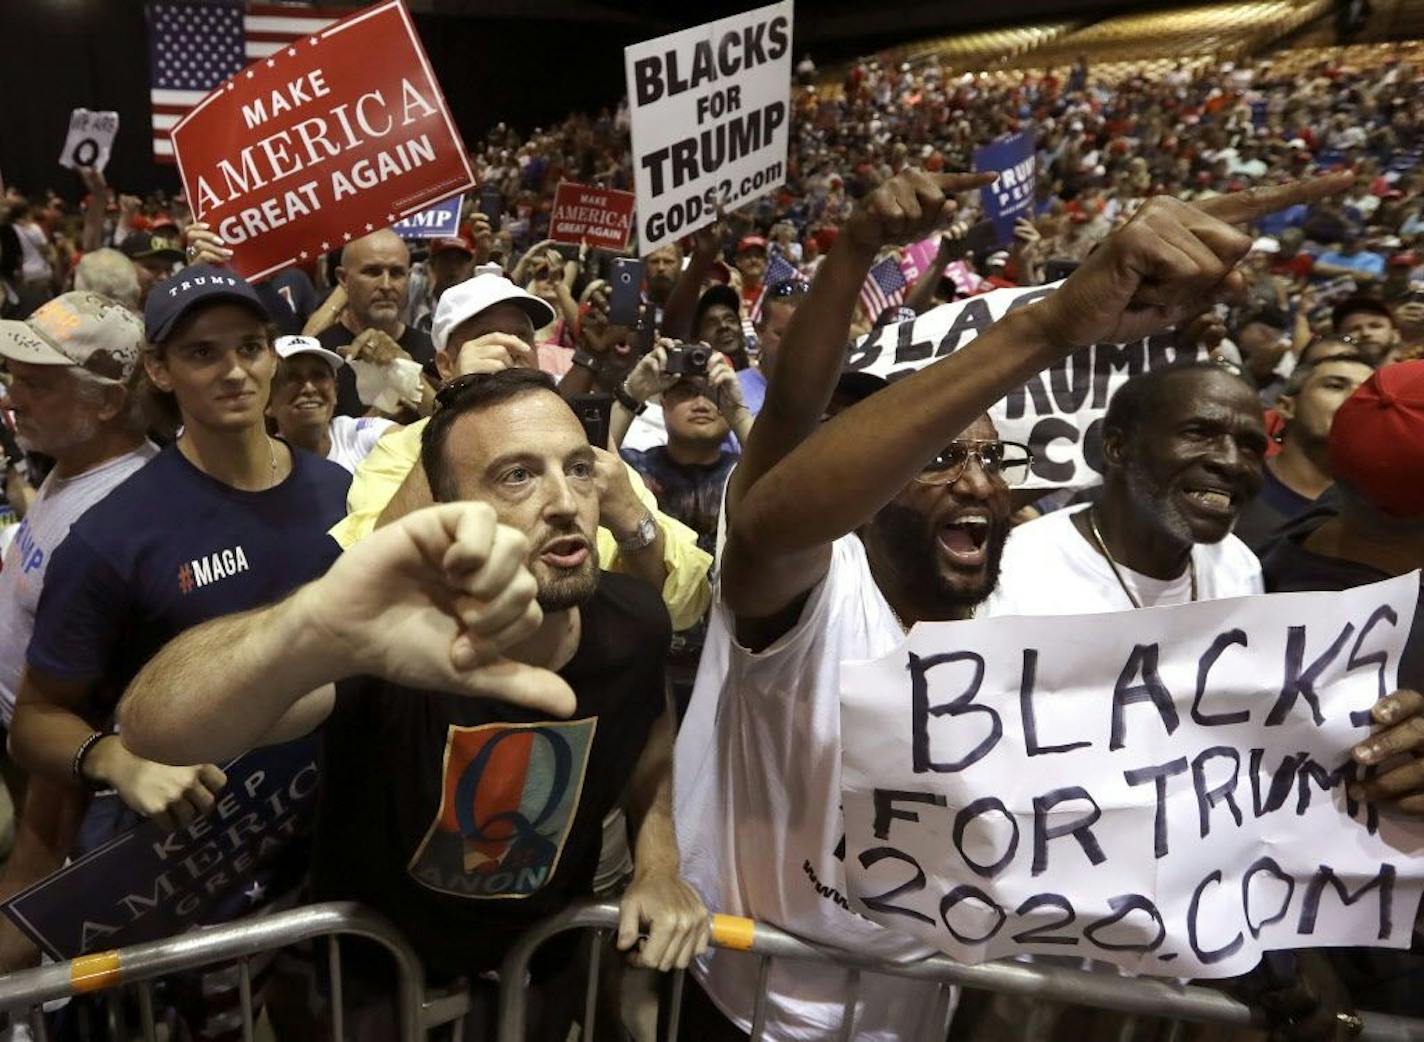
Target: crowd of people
<point>344,500</point>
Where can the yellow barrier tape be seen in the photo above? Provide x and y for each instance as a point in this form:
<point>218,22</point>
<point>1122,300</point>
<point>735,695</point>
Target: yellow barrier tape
<point>92,972</point>
<point>733,931</point>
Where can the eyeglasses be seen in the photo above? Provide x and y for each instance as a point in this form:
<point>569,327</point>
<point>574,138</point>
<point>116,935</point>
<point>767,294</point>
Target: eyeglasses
<point>1007,460</point>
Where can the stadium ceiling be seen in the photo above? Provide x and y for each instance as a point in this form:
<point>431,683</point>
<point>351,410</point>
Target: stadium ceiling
<point>817,21</point>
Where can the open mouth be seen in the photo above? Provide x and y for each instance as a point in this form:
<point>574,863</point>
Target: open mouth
<point>1215,502</point>
<point>964,539</point>
<point>565,552</point>
<point>308,404</point>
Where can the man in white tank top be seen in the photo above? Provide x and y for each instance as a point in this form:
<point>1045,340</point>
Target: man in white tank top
<point>838,537</point>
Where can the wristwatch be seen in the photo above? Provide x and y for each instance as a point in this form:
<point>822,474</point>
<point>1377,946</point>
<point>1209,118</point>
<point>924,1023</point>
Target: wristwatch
<point>644,535</point>
<point>628,401</point>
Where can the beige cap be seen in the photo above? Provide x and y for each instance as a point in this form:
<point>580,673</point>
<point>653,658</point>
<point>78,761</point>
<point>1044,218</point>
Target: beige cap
<point>85,329</point>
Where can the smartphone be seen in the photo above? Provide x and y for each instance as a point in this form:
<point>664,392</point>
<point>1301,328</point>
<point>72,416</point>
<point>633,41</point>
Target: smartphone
<point>492,205</point>
<point>567,250</point>
<point>595,412</point>
<point>1058,269</point>
<point>625,293</point>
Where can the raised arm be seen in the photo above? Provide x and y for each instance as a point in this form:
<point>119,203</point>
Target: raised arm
<point>432,601</point>
<point>682,301</point>
<point>94,208</point>
<point>1168,262</point>
<point>906,208</point>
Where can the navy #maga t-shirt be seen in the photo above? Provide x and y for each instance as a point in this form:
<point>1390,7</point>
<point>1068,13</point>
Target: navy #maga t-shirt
<point>170,548</point>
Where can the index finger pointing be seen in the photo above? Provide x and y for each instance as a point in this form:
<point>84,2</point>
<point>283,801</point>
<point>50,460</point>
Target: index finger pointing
<point>1255,203</point>
<point>950,183</point>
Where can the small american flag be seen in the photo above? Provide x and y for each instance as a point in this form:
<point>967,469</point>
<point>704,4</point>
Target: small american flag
<point>884,287</point>
<point>194,45</point>
<point>779,271</point>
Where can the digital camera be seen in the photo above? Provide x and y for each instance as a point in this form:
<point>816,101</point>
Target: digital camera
<point>687,360</point>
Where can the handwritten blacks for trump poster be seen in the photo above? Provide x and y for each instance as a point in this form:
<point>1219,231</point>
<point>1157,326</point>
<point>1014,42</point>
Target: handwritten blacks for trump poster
<point>1162,789</point>
<point>1058,413</point>
<point>322,142</point>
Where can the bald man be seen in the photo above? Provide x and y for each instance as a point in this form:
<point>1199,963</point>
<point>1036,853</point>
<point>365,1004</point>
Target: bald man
<point>375,272</point>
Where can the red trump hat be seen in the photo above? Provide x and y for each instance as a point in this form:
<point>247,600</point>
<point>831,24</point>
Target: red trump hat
<point>1377,440</point>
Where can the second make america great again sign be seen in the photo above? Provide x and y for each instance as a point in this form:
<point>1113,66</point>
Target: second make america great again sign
<point>327,140</point>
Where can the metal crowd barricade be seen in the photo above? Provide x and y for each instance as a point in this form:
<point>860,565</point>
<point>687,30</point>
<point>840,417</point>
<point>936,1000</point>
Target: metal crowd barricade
<point>1132,995</point>
<point>417,1011</point>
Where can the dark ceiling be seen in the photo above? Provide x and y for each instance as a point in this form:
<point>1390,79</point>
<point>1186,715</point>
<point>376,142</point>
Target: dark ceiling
<point>528,62</point>
<point>831,29</point>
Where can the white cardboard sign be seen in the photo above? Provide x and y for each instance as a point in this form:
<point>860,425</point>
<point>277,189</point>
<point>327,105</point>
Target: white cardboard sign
<point>90,140</point>
<point>1161,789</point>
<point>1057,413</point>
<point>710,109</point>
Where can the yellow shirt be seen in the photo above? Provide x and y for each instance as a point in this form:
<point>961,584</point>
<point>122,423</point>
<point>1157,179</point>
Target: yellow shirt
<point>686,592</point>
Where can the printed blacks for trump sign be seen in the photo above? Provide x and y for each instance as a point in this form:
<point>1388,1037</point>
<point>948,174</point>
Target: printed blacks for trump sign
<point>326,140</point>
<point>710,111</point>
<point>1166,790</point>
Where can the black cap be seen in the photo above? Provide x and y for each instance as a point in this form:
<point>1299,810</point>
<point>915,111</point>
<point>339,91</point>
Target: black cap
<point>719,294</point>
<point>1360,302</point>
<point>192,287</point>
<point>142,245</point>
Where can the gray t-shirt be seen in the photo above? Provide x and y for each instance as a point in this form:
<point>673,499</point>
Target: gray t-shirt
<point>59,503</point>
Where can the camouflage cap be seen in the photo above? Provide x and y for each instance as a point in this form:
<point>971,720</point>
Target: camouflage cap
<point>84,329</point>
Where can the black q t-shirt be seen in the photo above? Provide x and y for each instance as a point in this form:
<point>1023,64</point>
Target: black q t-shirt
<point>466,821</point>
<point>414,342</point>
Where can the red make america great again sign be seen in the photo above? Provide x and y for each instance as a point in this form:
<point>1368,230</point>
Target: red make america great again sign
<point>326,140</point>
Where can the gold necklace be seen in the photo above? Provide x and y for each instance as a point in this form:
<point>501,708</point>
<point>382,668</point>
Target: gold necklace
<point>1117,573</point>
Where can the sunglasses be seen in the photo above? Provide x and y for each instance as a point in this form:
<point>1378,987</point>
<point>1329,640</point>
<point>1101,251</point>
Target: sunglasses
<point>1006,460</point>
<point>453,391</point>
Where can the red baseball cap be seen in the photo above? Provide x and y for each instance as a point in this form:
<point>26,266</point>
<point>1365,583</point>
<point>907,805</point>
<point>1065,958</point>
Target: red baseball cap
<point>1377,440</point>
<point>454,242</point>
<point>751,242</point>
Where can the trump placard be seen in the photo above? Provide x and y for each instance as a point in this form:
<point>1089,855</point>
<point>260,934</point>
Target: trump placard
<point>1169,790</point>
<point>1057,413</point>
<point>324,141</point>
<point>710,112</point>
<point>598,216</point>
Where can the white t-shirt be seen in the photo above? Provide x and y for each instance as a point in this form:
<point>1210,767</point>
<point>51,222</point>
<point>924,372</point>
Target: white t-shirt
<point>1050,569</point>
<point>353,438</point>
<point>757,782</point>
<point>59,503</point>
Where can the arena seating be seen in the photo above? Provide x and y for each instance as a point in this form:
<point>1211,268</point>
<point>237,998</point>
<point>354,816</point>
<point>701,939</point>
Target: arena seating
<point>1153,43</point>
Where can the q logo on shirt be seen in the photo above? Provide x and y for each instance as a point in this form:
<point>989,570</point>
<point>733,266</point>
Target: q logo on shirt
<point>509,796</point>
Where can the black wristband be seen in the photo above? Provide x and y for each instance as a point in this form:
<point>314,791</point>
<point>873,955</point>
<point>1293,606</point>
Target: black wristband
<point>628,401</point>
<point>590,362</point>
<point>76,766</point>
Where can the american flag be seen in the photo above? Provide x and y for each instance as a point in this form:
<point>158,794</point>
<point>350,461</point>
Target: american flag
<point>779,271</point>
<point>194,45</point>
<point>884,287</point>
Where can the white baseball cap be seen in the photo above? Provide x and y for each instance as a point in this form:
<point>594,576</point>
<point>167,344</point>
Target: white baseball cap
<point>287,346</point>
<point>465,300</point>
